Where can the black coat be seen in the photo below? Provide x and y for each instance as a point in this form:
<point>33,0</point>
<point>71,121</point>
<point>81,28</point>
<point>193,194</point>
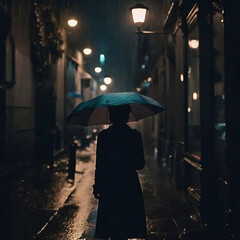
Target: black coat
<point>121,210</point>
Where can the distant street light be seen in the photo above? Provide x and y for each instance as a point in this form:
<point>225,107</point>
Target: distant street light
<point>72,22</point>
<point>181,77</point>
<point>107,80</point>
<point>195,96</point>
<point>149,79</point>
<point>102,59</point>
<point>193,43</point>
<point>138,89</point>
<point>87,51</point>
<point>98,69</point>
<point>103,87</point>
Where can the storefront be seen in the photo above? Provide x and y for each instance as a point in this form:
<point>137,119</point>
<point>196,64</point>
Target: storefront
<point>199,155</point>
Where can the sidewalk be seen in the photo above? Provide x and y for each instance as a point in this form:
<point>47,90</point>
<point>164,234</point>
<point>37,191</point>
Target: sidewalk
<point>40,204</point>
<point>170,215</point>
<point>30,198</point>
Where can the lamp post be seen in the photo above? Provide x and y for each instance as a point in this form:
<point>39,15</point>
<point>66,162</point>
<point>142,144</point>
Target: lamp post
<point>139,12</point>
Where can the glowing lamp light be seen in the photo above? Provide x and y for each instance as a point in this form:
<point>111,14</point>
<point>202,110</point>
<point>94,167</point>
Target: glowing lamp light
<point>107,80</point>
<point>195,96</point>
<point>103,87</point>
<point>72,22</point>
<point>193,43</point>
<point>181,78</point>
<point>138,89</point>
<point>87,51</point>
<point>98,69</point>
<point>149,79</point>
<point>139,13</point>
<point>189,109</point>
<point>102,58</point>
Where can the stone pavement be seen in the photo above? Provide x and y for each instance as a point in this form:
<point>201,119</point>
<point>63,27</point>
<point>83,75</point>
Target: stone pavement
<point>170,215</point>
<point>42,204</point>
<point>32,197</point>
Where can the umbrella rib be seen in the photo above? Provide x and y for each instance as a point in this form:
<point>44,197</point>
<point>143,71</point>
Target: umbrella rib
<point>91,113</point>
<point>145,105</point>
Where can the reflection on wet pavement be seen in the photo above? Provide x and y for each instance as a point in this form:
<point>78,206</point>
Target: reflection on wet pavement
<point>47,207</point>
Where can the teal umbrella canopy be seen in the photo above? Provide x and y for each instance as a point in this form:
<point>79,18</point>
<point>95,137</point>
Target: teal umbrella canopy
<point>95,111</point>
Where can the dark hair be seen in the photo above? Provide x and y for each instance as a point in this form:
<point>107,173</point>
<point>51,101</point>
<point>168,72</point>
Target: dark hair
<point>119,114</point>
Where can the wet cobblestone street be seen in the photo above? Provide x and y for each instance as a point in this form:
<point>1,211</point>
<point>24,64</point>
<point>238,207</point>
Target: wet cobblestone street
<point>48,207</point>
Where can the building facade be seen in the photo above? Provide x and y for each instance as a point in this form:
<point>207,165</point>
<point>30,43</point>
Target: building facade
<point>195,77</point>
<point>38,71</point>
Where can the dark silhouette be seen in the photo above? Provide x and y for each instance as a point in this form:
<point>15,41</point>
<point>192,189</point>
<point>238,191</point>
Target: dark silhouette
<point>121,213</point>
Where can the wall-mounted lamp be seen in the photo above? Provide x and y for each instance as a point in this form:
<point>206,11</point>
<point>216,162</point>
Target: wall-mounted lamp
<point>193,43</point>
<point>195,96</point>
<point>139,12</point>
<point>103,87</point>
<point>72,22</point>
<point>87,51</point>
<point>181,77</point>
<point>149,79</point>
<point>107,80</point>
<point>97,69</point>
<point>138,89</point>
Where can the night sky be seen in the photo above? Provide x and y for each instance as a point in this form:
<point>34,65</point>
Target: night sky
<point>107,27</point>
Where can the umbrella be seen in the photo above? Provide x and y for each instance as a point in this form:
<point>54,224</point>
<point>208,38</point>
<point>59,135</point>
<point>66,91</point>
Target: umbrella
<point>75,94</point>
<point>95,111</point>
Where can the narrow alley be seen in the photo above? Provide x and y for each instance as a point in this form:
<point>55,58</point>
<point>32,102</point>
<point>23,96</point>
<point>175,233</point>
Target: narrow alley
<point>57,209</point>
<point>69,69</point>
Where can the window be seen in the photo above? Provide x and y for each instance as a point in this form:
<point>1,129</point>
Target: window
<point>193,92</point>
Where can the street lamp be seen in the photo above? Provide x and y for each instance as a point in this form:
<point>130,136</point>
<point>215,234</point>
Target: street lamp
<point>87,51</point>
<point>139,14</point>
<point>195,96</point>
<point>138,89</point>
<point>72,22</point>
<point>98,69</point>
<point>107,80</point>
<point>103,87</point>
<point>193,43</point>
<point>149,79</point>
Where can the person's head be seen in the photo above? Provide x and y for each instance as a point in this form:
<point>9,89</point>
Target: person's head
<point>119,114</point>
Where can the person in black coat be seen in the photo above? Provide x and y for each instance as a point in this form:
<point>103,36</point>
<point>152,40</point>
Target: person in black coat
<point>121,212</point>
